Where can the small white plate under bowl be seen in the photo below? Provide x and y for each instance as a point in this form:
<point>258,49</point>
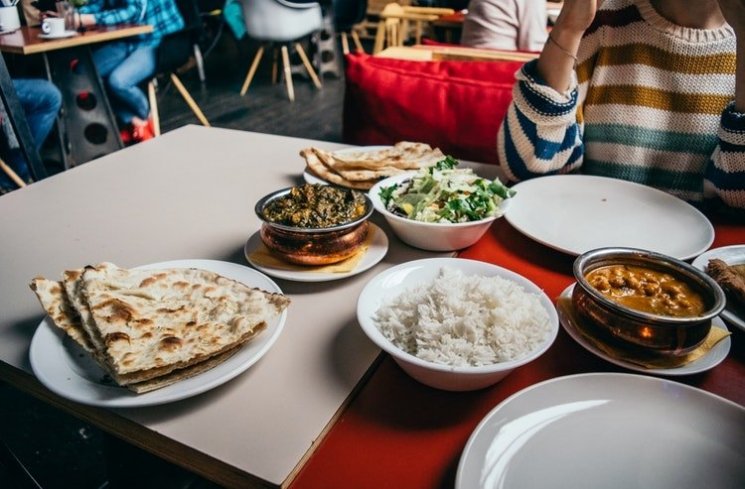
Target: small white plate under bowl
<point>714,357</point>
<point>313,179</point>
<point>64,35</point>
<point>67,370</point>
<point>579,213</point>
<point>610,431</point>
<point>731,255</point>
<point>376,252</point>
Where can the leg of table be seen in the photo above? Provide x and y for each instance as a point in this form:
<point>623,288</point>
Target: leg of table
<point>90,124</point>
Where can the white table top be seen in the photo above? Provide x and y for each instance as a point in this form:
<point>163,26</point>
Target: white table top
<point>191,194</point>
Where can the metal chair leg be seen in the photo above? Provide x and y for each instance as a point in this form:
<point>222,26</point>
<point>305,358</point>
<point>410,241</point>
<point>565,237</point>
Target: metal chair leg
<point>199,59</point>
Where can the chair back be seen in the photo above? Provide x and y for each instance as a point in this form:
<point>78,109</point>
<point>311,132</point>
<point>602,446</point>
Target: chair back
<point>280,20</point>
<point>347,13</point>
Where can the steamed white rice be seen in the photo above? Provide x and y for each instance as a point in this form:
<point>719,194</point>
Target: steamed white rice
<point>465,320</point>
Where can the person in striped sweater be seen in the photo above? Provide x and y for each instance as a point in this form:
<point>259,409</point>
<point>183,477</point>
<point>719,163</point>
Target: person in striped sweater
<point>651,91</point>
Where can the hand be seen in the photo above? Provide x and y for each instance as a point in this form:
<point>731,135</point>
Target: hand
<point>577,15</point>
<point>48,13</point>
<point>734,13</point>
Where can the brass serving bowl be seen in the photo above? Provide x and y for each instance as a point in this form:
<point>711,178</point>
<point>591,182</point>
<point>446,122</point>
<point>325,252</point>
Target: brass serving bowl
<point>647,331</point>
<point>312,246</point>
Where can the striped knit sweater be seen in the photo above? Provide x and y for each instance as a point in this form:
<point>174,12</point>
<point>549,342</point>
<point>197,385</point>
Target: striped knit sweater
<point>651,104</point>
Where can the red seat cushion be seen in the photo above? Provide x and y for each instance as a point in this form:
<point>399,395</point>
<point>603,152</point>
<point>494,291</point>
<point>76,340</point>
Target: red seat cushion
<point>454,105</point>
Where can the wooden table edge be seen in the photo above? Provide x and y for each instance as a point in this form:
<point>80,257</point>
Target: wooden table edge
<point>153,442</point>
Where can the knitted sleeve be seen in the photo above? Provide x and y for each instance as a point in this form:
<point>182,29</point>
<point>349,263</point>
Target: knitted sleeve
<point>542,132</point>
<point>724,179</point>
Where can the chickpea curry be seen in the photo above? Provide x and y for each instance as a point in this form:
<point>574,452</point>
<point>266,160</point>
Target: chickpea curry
<point>647,290</point>
<point>316,206</point>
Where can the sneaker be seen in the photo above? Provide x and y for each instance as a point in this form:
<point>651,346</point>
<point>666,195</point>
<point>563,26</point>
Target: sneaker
<point>142,132</point>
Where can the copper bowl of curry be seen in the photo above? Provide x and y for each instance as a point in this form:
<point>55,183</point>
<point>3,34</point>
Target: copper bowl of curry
<point>645,299</point>
<point>314,224</point>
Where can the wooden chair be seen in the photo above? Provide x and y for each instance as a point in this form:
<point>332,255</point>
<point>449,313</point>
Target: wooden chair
<point>283,23</point>
<point>394,24</point>
<point>173,52</point>
<point>347,15</point>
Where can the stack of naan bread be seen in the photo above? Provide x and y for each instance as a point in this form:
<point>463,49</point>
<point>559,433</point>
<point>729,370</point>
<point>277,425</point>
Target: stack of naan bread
<point>362,169</point>
<point>150,328</point>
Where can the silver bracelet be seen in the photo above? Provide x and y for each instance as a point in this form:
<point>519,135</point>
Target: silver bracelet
<point>563,50</point>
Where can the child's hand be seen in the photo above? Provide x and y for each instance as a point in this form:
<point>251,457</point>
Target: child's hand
<point>577,15</point>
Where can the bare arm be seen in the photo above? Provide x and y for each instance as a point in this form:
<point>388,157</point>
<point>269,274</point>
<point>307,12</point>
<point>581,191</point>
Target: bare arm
<point>557,60</point>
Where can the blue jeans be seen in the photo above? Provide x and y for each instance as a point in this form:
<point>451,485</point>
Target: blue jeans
<point>40,101</point>
<point>123,66</point>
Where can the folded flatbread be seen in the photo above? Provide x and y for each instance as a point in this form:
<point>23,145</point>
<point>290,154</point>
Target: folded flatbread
<point>362,169</point>
<point>150,328</point>
<point>730,277</point>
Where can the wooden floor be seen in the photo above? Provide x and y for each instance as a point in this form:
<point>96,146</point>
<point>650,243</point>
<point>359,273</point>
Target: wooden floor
<point>315,114</point>
<point>63,452</point>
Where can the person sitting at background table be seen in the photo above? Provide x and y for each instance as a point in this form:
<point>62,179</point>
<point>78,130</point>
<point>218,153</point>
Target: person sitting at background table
<point>124,64</point>
<point>515,25</point>
<point>651,91</point>
<point>41,102</point>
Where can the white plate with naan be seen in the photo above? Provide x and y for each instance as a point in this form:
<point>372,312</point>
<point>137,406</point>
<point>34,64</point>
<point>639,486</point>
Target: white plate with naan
<point>67,370</point>
<point>313,179</point>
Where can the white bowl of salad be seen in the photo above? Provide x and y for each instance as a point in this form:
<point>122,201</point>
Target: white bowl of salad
<point>442,207</point>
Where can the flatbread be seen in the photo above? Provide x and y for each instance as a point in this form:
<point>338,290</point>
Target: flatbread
<point>320,170</point>
<point>362,169</point>
<point>402,156</point>
<point>156,308</point>
<point>181,374</point>
<point>162,320</point>
<point>53,299</point>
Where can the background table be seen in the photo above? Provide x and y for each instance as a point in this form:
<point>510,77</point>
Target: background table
<point>87,127</point>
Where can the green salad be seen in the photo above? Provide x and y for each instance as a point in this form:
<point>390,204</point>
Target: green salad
<point>444,193</point>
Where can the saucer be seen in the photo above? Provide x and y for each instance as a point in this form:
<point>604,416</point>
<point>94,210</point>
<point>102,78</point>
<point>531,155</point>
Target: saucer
<point>570,322</point>
<point>64,35</point>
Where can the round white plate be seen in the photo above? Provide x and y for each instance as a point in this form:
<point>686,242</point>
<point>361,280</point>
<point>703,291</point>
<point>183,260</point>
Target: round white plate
<point>578,213</point>
<point>610,431</point>
<point>376,251</point>
<point>64,35</point>
<point>714,357</point>
<point>67,370</point>
<point>312,179</point>
<point>731,255</point>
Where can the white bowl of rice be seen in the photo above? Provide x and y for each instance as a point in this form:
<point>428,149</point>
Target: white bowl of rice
<point>457,324</point>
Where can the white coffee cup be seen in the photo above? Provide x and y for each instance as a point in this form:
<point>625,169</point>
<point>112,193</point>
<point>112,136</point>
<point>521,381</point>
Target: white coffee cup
<point>53,26</point>
<point>9,19</point>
